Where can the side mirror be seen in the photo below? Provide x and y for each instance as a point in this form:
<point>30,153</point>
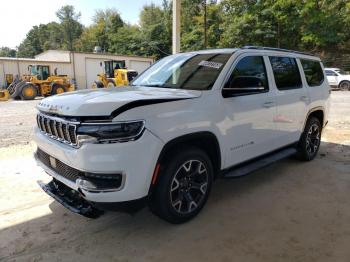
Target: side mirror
<point>242,85</point>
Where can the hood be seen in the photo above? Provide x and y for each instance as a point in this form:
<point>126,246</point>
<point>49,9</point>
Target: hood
<point>103,102</point>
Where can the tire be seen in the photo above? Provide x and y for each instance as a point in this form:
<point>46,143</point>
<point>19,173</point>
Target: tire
<point>110,84</point>
<point>183,185</point>
<point>344,86</point>
<point>310,140</point>
<point>58,89</point>
<point>28,92</point>
<point>97,84</point>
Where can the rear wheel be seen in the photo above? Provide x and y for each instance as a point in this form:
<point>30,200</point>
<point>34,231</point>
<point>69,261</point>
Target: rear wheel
<point>344,86</point>
<point>29,92</point>
<point>57,89</point>
<point>183,186</point>
<point>310,140</point>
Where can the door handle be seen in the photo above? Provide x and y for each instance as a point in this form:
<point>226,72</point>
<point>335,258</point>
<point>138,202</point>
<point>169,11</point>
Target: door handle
<point>305,98</point>
<point>268,104</point>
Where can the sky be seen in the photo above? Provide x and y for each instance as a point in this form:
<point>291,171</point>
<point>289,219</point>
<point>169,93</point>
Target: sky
<point>19,16</point>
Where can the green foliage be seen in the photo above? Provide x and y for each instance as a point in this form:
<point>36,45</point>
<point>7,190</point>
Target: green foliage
<point>311,25</point>
<point>7,52</point>
<point>70,25</point>
<point>106,23</point>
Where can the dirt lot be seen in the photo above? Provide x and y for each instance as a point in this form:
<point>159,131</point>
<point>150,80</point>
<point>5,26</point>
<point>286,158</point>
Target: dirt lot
<point>289,211</point>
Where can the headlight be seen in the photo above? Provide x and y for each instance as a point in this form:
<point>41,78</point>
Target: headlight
<point>109,132</point>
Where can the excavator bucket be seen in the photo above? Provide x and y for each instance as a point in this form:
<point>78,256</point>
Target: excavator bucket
<point>4,95</point>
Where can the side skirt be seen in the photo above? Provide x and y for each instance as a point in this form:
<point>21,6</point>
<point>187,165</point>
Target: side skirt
<point>257,163</point>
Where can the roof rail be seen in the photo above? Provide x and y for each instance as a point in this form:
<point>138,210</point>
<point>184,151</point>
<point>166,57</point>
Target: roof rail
<point>275,49</point>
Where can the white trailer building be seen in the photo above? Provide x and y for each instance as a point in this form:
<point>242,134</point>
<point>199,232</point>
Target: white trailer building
<point>83,67</point>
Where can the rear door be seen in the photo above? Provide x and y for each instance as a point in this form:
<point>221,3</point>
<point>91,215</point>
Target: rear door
<point>249,126</point>
<point>291,97</point>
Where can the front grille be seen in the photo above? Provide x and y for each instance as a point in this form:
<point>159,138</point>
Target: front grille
<point>62,169</point>
<point>58,129</point>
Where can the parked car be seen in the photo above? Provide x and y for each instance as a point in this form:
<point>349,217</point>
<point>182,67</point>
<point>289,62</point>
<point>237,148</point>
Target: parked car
<point>338,78</point>
<point>189,119</point>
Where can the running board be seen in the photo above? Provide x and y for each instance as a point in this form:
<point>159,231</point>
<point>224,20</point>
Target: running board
<point>259,163</point>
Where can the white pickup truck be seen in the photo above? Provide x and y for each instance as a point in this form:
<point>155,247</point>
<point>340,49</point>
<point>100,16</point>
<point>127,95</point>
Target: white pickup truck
<point>187,120</point>
<point>338,78</point>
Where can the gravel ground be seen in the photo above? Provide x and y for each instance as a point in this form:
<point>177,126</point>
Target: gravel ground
<point>16,122</point>
<point>289,211</point>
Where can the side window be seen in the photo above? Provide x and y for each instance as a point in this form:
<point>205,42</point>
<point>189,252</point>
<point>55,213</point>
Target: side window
<point>313,72</point>
<point>330,73</point>
<point>249,76</point>
<point>286,72</point>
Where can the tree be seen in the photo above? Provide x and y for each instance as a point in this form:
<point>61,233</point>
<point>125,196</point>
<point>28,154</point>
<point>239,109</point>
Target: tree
<point>7,52</point>
<point>106,24</point>
<point>155,33</point>
<point>41,38</point>
<point>70,25</point>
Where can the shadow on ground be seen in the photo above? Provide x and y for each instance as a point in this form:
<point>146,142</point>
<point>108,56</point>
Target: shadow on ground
<point>288,211</point>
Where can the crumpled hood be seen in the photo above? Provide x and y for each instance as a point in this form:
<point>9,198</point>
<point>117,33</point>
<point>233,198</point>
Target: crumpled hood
<point>102,102</point>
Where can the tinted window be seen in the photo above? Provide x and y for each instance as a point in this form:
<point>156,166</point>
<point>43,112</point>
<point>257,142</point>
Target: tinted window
<point>286,72</point>
<point>313,72</point>
<point>330,73</point>
<point>249,72</point>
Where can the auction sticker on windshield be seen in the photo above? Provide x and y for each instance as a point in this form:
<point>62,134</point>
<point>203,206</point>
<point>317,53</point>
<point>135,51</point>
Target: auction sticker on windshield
<point>210,64</point>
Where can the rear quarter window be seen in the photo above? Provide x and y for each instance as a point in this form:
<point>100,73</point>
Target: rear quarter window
<point>313,72</point>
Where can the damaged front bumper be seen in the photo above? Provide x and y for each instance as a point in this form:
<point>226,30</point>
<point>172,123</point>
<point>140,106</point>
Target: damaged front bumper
<point>70,199</point>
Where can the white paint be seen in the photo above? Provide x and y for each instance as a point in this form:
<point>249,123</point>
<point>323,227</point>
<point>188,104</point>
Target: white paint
<point>244,127</point>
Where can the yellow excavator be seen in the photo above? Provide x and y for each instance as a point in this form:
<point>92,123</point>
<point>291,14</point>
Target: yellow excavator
<point>115,74</point>
<point>39,82</point>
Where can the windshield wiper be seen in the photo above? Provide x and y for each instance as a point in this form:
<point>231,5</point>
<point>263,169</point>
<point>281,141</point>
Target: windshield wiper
<point>158,85</point>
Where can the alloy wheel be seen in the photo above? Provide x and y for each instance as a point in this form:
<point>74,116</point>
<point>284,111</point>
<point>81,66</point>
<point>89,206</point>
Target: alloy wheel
<point>189,186</point>
<point>313,139</point>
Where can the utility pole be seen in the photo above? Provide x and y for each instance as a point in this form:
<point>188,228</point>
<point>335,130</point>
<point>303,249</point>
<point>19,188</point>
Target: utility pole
<point>205,24</point>
<point>176,26</point>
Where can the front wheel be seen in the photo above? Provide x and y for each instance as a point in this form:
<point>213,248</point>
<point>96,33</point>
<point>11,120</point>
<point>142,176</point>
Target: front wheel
<point>183,185</point>
<point>310,140</point>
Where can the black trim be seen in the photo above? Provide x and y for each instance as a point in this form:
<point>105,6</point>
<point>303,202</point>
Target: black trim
<point>144,102</point>
<point>254,159</point>
<point>277,49</point>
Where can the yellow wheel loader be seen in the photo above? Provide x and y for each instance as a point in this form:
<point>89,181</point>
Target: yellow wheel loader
<point>115,74</point>
<point>39,82</point>
<point>4,95</point>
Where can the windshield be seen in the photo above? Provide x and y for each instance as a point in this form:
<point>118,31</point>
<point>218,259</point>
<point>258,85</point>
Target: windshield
<point>33,70</point>
<point>184,71</point>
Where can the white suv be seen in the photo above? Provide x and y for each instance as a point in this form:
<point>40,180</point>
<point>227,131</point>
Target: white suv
<point>187,120</point>
<point>338,78</point>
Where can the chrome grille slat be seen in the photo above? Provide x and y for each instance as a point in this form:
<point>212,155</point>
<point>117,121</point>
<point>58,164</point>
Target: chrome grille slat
<point>58,129</point>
